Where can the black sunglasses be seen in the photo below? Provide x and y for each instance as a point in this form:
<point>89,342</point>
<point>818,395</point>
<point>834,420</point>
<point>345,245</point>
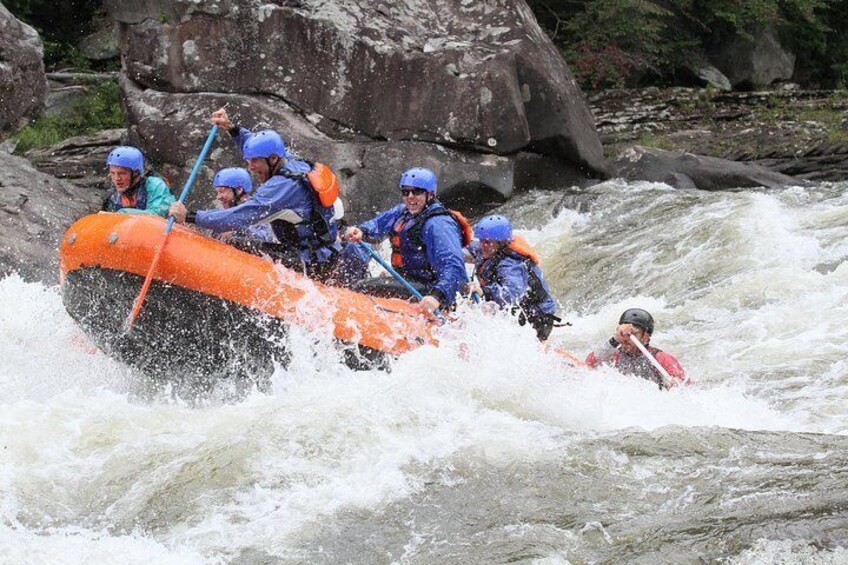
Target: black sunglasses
<point>415,191</point>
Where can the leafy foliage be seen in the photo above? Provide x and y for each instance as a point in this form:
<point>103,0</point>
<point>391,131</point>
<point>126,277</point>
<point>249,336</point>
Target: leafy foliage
<point>61,24</point>
<point>99,110</point>
<point>629,42</point>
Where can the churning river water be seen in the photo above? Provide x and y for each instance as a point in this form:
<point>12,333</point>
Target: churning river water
<point>488,449</point>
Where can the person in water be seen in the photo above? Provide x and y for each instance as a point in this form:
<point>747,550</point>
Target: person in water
<point>427,240</point>
<point>508,272</point>
<point>305,230</point>
<point>620,352</point>
<point>133,191</point>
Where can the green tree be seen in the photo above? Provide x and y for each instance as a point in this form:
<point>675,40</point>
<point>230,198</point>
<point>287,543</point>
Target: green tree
<point>61,24</point>
<point>629,42</point>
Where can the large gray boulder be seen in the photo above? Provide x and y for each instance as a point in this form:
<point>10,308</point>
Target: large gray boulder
<point>23,85</point>
<point>473,76</point>
<point>752,62</point>
<point>35,210</point>
<point>686,170</point>
<point>80,159</point>
<point>172,127</point>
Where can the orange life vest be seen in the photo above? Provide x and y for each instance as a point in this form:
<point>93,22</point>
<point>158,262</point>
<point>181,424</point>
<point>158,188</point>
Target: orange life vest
<point>324,182</point>
<point>519,245</point>
<point>414,233</point>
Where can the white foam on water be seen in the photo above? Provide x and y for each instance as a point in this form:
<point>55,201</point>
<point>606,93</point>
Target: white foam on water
<point>91,470</point>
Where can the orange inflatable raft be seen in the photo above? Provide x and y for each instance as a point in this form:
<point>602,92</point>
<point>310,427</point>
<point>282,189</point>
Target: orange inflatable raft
<point>213,309</point>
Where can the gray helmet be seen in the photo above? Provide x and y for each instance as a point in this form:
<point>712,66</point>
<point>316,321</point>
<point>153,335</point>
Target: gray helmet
<point>639,318</point>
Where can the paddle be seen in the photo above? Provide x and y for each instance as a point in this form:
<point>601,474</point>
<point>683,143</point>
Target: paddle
<point>412,290</point>
<point>668,382</point>
<point>474,295</point>
<point>139,301</point>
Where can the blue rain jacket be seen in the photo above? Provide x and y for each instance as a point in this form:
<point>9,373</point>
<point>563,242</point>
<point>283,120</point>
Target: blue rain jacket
<point>436,260</point>
<point>507,279</point>
<point>283,201</point>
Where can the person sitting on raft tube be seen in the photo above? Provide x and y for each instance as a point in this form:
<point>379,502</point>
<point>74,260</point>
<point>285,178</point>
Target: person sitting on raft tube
<point>232,187</point>
<point>427,240</point>
<point>304,229</point>
<point>508,272</point>
<point>620,352</point>
<point>133,191</point>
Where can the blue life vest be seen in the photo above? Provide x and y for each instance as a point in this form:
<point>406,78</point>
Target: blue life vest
<point>319,230</point>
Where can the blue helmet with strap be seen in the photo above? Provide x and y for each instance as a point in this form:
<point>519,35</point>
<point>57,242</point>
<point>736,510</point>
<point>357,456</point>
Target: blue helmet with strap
<point>419,177</point>
<point>263,144</point>
<point>494,228</point>
<point>233,177</point>
<point>126,156</point>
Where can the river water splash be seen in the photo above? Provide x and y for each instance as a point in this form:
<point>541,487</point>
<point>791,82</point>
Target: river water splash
<point>488,449</point>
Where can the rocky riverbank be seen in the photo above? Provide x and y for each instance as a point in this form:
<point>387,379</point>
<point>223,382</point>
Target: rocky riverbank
<point>796,132</point>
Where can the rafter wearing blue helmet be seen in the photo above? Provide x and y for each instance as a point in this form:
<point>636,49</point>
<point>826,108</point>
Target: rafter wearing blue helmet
<point>427,239</point>
<point>232,187</point>
<point>304,229</point>
<point>132,191</point>
<point>509,274</point>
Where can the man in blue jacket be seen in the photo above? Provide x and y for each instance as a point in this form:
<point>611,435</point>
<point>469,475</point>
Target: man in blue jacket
<point>132,191</point>
<point>305,230</point>
<point>427,239</point>
<point>509,274</point>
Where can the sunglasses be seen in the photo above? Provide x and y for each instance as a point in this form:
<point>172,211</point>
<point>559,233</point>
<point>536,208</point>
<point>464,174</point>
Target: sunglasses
<point>415,191</point>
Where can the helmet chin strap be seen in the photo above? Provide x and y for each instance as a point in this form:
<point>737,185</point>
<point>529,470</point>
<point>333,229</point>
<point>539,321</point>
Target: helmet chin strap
<point>272,169</point>
<point>134,178</point>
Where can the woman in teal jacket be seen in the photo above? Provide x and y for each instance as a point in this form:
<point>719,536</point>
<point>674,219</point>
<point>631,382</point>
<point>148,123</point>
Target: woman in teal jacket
<point>132,191</point>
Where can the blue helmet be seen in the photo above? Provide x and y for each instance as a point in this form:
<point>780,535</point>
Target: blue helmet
<point>126,156</point>
<point>419,177</point>
<point>494,228</point>
<point>233,177</point>
<point>263,144</point>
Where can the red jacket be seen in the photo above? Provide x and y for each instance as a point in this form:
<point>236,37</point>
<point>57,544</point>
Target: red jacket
<point>638,364</point>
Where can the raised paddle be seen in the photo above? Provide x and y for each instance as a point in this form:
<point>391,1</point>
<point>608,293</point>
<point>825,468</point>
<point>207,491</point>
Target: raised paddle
<point>668,382</point>
<point>139,301</point>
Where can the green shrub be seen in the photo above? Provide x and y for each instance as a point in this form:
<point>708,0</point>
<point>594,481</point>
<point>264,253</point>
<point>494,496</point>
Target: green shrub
<point>99,110</point>
<point>61,24</point>
<point>633,42</point>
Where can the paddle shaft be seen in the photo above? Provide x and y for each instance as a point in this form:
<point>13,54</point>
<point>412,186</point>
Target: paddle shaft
<point>412,290</point>
<point>667,380</point>
<point>139,301</point>
<point>376,256</point>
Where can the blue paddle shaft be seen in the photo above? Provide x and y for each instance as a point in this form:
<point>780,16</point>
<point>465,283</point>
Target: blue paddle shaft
<point>391,271</point>
<point>194,170</point>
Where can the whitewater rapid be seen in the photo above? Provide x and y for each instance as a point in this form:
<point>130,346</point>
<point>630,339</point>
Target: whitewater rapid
<point>488,448</point>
